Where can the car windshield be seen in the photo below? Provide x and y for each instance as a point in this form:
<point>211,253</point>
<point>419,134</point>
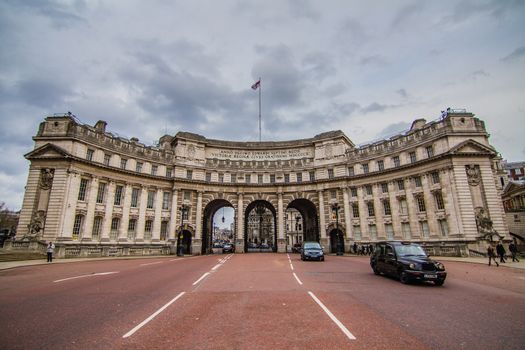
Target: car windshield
<point>312,245</point>
<point>409,250</point>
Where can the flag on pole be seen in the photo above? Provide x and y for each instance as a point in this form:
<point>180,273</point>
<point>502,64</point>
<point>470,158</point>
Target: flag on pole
<point>256,85</point>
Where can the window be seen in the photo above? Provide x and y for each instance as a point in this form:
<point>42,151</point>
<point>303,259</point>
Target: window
<point>380,165</point>
<point>138,168</point>
<point>384,187</point>
<point>389,231</point>
<point>386,207</point>
<point>430,151</point>
<point>123,163</point>
<point>221,177</point>
<point>163,230</point>
<point>355,210</point>
<point>357,232</point>
<point>400,185</point>
<point>403,206</point>
<point>248,178</point>
<point>107,159</point>
<point>373,232</point>
<point>353,191</point>
<point>299,177</point>
<point>396,161</point>
<point>417,181</point>
<point>412,156</point>
<point>135,197</point>
<point>259,178</point>
<point>89,154</point>
<point>165,200</point>
<point>351,171</point>
<point>405,228</point>
<point>101,192</point>
<point>233,178</point>
<point>154,169</point>
<point>368,189</point>
<point>147,229</point>
<point>425,232</point>
<point>97,227</point>
<point>82,190</point>
<point>115,224</point>
<point>333,194</point>
<point>132,225</point>
<point>151,200</point>
<point>330,173</point>
<point>443,227</point>
<point>440,205</point>
<point>421,204</point>
<point>169,172</point>
<point>77,226</point>
<point>286,178</point>
<point>370,206</point>
<point>118,195</point>
<point>365,168</point>
<point>187,195</point>
<point>189,174</point>
<point>435,177</point>
<point>272,178</point>
<point>186,214</point>
<point>208,177</point>
<point>312,175</point>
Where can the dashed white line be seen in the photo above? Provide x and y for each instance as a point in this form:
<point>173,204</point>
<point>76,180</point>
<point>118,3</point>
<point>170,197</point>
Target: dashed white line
<point>130,333</point>
<point>175,259</point>
<point>200,279</point>
<point>297,278</point>
<point>83,276</point>
<point>216,267</point>
<point>153,263</point>
<point>291,266</point>
<point>331,315</point>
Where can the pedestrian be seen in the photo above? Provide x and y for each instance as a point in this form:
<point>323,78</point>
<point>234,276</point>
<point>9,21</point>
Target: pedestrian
<point>513,251</point>
<point>50,251</point>
<point>355,248</point>
<point>490,254</point>
<point>500,250</point>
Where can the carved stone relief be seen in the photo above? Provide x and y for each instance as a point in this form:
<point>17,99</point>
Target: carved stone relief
<point>46,178</point>
<point>473,175</point>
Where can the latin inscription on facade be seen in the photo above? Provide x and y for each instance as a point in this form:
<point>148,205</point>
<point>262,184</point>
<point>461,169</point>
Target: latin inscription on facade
<point>247,155</point>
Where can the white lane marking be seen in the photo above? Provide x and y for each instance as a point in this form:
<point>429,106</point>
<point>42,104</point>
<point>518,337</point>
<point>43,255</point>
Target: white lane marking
<point>291,266</point>
<point>200,279</point>
<point>288,255</point>
<point>216,267</point>
<point>297,278</point>
<point>90,275</point>
<point>176,259</point>
<point>153,263</point>
<point>331,315</point>
<point>130,333</point>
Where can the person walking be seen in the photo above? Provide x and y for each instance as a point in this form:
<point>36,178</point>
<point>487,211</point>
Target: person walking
<point>500,250</point>
<point>513,251</point>
<point>50,251</point>
<point>491,255</point>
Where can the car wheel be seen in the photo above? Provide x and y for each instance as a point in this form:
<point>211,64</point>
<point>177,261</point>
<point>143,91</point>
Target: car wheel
<point>376,271</point>
<point>439,282</point>
<point>403,277</point>
<point>322,259</point>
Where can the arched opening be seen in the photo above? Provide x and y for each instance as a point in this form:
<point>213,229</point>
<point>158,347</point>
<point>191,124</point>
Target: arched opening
<point>337,236</point>
<point>294,230</point>
<point>260,227</point>
<point>217,224</point>
<point>308,218</point>
<point>184,242</point>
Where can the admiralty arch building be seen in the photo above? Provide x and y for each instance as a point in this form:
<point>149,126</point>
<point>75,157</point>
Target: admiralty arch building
<point>96,194</point>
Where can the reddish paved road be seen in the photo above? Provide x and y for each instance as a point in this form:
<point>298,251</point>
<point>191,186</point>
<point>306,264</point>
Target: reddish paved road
<point>254,301</point>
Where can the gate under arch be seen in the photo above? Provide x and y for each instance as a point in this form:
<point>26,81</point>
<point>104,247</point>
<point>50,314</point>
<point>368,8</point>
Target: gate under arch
<point>308,213</point>
<point>207,227</point>
<point>260,227</point>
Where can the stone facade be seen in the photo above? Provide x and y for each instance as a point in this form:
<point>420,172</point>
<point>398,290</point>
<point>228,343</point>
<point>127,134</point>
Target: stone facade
<point>96,194</point>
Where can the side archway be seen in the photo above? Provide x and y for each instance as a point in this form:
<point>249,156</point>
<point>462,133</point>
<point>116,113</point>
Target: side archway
<point>308,213</point>
<point>207,227</point>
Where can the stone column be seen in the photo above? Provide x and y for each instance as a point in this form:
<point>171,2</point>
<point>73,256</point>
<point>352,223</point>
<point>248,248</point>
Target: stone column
<point>394,208</point>
<point>70,210</point>
<point>348,223</point>
<point>124,222</point>
<point>173,216</point>
<point>430,206</point>
<point>239,239</point>
<point>90,215</point>
<point>142,215</point>
<point>281,240</point>
<point>412,210</point>
<point>155,236</point>
<point>108,215</point>
<point>322,220</point>
<point>197,240</point>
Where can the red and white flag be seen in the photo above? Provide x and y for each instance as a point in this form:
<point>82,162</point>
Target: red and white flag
<point>256,85</point>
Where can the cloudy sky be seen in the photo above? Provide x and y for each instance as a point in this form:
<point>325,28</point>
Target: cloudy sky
<point>153,67</point>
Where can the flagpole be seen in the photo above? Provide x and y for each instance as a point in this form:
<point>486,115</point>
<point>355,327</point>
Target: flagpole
<point>260,88</point>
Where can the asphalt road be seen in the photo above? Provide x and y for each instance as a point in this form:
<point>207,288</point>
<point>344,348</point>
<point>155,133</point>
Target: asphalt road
<point>256,301</point>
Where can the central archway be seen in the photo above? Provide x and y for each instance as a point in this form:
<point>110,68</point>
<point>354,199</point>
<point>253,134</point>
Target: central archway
<point>208,224</point>
<point>309,218</point>
<point>260,227</point>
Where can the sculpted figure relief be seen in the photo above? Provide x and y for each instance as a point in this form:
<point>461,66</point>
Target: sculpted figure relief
<point>473,175</point>
<point>46,178</point>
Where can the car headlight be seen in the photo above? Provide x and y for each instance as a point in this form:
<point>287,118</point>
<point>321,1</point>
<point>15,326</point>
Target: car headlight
<point>412,266</point>
<point>440,266</point>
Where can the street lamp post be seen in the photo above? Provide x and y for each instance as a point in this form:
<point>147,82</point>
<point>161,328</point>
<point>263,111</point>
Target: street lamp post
<point>180,248</point>
<point>297,219</point>
<point>336,207</point>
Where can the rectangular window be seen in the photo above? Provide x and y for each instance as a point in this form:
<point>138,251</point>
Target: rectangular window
<point>333,194</point>
<point>154,169</point>
<point>440,205</point>
<point>351,171</point>
<point>386,207</point>
<point>435,177</point>
<point>380,165</point>
<point>384,187</point>
<point>357,232</point>
<point>373,232</point>
<point>259,178</point>
<point>286,178</point>
<point>330,173</point>
<point>425,232</point>
<point>272,178</point>
<point>233,178</point>
<point>221,177</point>
<point>405,228</point>
<point>417,181</point>
<point>135,197</point>
<point>163,230</point>
<point>430,151</point>
<point>412,156</point>
<point>443,227</point>
<point>169,172</point>
<point>368,189</point>
<point>299,177</point>
<point>97,227</point>
<point>355,210</point>
<point>151,200</point>
<point>396,161</point>
<point>389,230</point>
<point>365,168</point>
<point>187,195</point>
<point>89,154</point>
<point>147,229</point>
<point>403,206</point>
<point>189,174</point>
<point>118,195</point>
<point>115,224</point>
<point>82,190</point>
<point>107,159</point>
<point>77,226</point>
<point>421,204</point>
<point>401,185</point>
<point>208,177</point>
<point>248,178</point>
<point>186,214</point>
<point>138,167</point>
<point>132,225</point>
<point>165,200</point>
<point>123,163</point>
<point>371,211</point>
<point>101,192</point>
<point>312,175</point>
<point>353,191</point>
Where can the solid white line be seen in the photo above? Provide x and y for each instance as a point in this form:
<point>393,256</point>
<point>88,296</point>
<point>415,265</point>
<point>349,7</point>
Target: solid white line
<point>291,266</point>
<point>153,263</point>
<point>90,275</point>
<point>216,267</point>
<point>176,259</point>
<point>130,333</point>
<point>331,315</point>
<point>297,278</point>
<point>203,276</point>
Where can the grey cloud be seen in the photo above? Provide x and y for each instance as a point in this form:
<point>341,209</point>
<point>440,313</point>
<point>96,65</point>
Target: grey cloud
<point>514,55</point>
<point>402,93</point>
<point>375,107</point>
<point>479,74</point>
<point>319,65</point>
<point>376,60</point>
<point>393,129</point>
<point>61,15</point>
<point>303,9</point>
<point>406,13</point>
<point>351,33</point>
<point>464,10</point>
